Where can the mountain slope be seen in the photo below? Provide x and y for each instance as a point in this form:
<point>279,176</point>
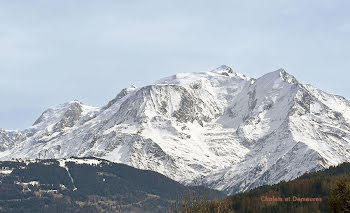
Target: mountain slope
<point>219,128</point>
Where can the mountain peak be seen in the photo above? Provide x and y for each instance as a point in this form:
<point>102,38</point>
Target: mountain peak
<point>225,67</point>
<point>281,74</point>
<point>120,95</point>
<point>74,102</point>
<point>224,70</point>
<point>228,71</point>
<point>287,77</point>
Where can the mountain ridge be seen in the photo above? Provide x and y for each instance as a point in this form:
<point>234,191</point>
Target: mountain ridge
<point>218,128</point>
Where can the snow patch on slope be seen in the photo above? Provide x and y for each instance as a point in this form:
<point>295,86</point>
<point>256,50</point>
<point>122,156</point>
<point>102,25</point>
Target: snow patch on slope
<point>218,128</point>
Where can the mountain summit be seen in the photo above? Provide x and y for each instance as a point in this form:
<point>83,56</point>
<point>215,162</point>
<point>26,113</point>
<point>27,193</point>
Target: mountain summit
<point>220,128</point>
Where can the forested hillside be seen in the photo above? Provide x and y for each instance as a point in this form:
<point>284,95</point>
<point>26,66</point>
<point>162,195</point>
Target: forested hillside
<point>322,191</point>
<point>86,185</point>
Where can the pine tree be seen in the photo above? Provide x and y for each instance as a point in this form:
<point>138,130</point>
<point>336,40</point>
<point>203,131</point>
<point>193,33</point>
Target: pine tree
<point>339,199</point>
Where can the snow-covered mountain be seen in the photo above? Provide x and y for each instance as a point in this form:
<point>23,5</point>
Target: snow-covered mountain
<point>218,128</point>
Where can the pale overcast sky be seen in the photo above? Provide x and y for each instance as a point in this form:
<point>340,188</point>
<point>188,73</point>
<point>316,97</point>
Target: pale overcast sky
<point>54,51</point>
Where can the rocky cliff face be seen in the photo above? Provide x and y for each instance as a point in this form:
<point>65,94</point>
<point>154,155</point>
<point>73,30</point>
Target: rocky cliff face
<point>218,128</point>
